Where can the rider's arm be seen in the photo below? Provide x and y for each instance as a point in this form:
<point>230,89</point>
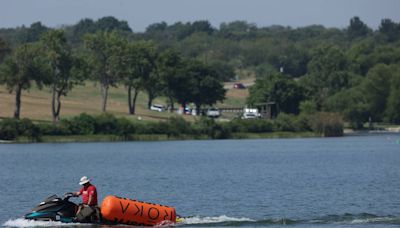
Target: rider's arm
<point>90,199</point>
<point>78,193</point>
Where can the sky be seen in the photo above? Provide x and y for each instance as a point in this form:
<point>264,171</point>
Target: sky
<point>141,13</point>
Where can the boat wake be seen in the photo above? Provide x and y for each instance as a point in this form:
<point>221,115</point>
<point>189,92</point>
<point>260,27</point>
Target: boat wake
<point>345,219</point>
<point>20,222</point>
<point>223,220</point>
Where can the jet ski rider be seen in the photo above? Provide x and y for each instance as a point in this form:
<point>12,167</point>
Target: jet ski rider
<point>89,194</point>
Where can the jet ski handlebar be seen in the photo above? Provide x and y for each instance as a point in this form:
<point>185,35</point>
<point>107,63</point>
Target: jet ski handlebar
<point>68,195</point>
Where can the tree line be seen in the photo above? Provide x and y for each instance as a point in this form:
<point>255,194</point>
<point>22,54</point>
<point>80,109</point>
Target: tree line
<point>110,59</point>
<point>353,71</point>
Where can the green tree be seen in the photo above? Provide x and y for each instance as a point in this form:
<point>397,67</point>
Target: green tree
<point>277,88</point>
<point>389,30</point>
<point>111,23</point>
<point>4,49</point>
<point>392,112</point>
<point>169,68</point>
<point>151,81</point>
<point>133,67</point>
<point>64,73</point>
<point>357,29</point>
<point>352,104</point>
<point>104,48</point>
<point>376,88</point>
<point>203,87</point>
<point>327,73</point>
<point>25,65</point>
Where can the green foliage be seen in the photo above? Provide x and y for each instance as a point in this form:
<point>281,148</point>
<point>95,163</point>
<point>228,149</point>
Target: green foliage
<point>327,124</point>
<point>353,104</point>
<point>277,88</point>
<point>285,122</point>
<point>252,125</point>
<point>392,112</point>
<point>203,87</point>
<point>8,129</point>
<point>389,30</point>
<point>350,71</point>
<point>177,126</point>
<point>357,29</point>
<point>25,65</point>
<point>11,128</point>
<point>376,89</point>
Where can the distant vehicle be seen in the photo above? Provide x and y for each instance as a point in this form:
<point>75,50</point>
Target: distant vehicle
<point>251,113</point>
<point>157,107</point>
<point>239,86</point>
<point>213,113</point>
<point>187,111</point>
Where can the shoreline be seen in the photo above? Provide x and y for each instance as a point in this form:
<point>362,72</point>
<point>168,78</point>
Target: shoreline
<point>164,137</point>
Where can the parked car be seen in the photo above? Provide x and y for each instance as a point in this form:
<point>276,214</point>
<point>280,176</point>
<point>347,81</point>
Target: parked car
<point>239,86</point>
<point>157,107</point>
<point>251,113</point>
<point>213,113</point>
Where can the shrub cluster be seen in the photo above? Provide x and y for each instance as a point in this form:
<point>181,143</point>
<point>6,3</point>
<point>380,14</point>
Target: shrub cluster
<point>11,128</point>
<point>326,124</point>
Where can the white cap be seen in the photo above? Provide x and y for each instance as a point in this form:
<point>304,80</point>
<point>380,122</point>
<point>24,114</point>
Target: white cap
<point>84,180</point>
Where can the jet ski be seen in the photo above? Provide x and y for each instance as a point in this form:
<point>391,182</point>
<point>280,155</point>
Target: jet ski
<point>114,210</point>
<point>56,208</point>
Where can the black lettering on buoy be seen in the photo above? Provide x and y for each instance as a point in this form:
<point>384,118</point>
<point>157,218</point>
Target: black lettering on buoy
<point>166,215</point>
<point>138,210</point>
<point>149,213</point>
<point>122,207</point>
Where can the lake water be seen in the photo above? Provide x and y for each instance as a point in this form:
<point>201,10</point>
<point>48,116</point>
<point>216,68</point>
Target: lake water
<point>350,181</point>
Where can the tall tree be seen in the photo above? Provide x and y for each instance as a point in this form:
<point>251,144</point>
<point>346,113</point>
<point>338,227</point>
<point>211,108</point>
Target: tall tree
<point>204,87</point>
<point>389,30</point>
<point>377,89</point>
<point>133,66</point>
<point>104,48</point>
<point>20,69</point>
<point>4,49</point>
<point>327,73</point>
<point>278,88</point>
<point>392,112</point>
<point>357,28</point>
<point>63,65</point>
<point>169,67</point>
<point>150,79</point>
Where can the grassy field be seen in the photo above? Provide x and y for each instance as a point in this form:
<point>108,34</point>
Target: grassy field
<point>36,104</point>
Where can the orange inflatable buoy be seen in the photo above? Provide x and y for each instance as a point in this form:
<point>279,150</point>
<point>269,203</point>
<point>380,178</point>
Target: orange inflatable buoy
<point>133,212</point>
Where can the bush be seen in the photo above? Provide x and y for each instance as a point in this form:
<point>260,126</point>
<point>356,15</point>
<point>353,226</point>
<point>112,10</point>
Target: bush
<point>125,128</point>
<point>84,124</point>
<point>327,124</point>
<point>9,129</point>
<point>28,129</point>
<point>178,126</point>
<point>286,122</point>
<point>106,124</point>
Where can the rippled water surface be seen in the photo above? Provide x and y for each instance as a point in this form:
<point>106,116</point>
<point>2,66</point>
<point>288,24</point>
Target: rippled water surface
<point>320,182</point>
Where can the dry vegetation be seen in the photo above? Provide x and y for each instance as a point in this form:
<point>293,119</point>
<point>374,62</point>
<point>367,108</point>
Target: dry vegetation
<point>86,98</point>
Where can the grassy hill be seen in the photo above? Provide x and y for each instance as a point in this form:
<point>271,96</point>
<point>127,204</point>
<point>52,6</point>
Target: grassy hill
<point>36,104</point>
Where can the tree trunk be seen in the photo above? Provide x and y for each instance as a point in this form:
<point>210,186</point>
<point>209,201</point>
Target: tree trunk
<point>132,102</point>
<point>18,90</point>
<point>150,101</point>
<point>104,96</point>
<point>171,105</point>
<point>198,106</point>
<point>56,105</point>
